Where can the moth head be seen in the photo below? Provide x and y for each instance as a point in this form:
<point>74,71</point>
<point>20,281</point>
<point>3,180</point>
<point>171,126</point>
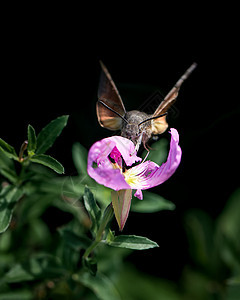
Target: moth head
<point>131,131</point>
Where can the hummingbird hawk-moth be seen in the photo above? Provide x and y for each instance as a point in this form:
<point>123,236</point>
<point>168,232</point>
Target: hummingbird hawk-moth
<point>135,125</point>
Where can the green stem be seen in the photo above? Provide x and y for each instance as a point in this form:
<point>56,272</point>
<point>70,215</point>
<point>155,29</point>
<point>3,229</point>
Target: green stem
<point>90,248</point>
<point>24,163</point>
<point>107,216</point>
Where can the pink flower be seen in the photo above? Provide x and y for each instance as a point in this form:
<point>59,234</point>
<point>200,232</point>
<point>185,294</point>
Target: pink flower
<point>110,164</point>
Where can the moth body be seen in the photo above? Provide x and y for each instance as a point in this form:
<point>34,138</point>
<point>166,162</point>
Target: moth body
<point>133,131</point>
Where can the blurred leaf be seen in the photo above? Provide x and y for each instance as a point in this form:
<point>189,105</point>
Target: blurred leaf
<point>72,188</point>
<point>49,162</point>
<point>101,285</point>
<point>90,264</point>
<point>76,209</point>
<point>92,208</point>
<point>48,134</point>
<point>9,174</point>
<point>196,285</point>
<point>102,194</point>
<point>5,241</point>
<point>229,221</point>
<point>134,285</point>
<point>131,242</point>
<point>199,228</point>
<point>39,234</point>
<point>33,206</point>
<point>159,151</point>
<point>151,203</point>
<point>8,150</point>
<point>228,233</point>
<point>234,281</point>
<point>73,240</point>
<point>32,140</point>
<point>9,195</point>
<point>7,168</point>
<point>17,295</point>
<point>111,259</point>
<point>79,154</point>
<point>42,267</point>
<point>233,292</point>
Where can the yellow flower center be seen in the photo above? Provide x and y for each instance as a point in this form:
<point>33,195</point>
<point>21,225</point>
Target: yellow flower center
<point>131,177</point>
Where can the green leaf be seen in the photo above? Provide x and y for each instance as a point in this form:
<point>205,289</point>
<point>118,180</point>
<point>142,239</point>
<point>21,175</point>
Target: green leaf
<point>32,140</point>
<point>7,168</point>
<point>48,134</point>
<point>151,203</point>
<point>8,149</point>
<point>79,154</point>
<point>73,240</point>
<point>41,267</point>
<point>8,197</point>
<point>229,221</point>
<point>17,295</point>
<point>148,287</point>
<point>49,162</point>
<point>105,220</point>
<point>90,264</point>
<point>228,232</point>
<point>234,281</point>
<point>92,208</point>
<point>200,231</point>
<point>99,284</point>
<point>121,201</point>
<point>233,292</point>
<point>131,242</point>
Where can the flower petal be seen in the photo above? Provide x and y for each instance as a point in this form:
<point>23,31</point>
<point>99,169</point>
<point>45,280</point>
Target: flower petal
<point>149,174</point>
<point>102,170</point>
<point>126,148</point>
<point>140,177</point>
<point>139,194</point>
<point>167,169</point>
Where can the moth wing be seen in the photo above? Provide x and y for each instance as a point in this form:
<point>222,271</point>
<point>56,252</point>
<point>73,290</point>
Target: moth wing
<point>160,124</point>
<point>109,95</point>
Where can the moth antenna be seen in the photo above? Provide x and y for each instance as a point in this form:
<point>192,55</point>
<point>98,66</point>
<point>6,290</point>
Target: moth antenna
<point>152,118</point>
<point>104,104</point>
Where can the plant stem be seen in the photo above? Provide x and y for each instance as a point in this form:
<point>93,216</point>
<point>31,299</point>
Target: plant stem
<point>107,216</point>
<point>90,248</point>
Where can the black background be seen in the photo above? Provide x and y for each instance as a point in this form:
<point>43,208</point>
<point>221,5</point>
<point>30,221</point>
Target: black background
<point>50,67</point>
